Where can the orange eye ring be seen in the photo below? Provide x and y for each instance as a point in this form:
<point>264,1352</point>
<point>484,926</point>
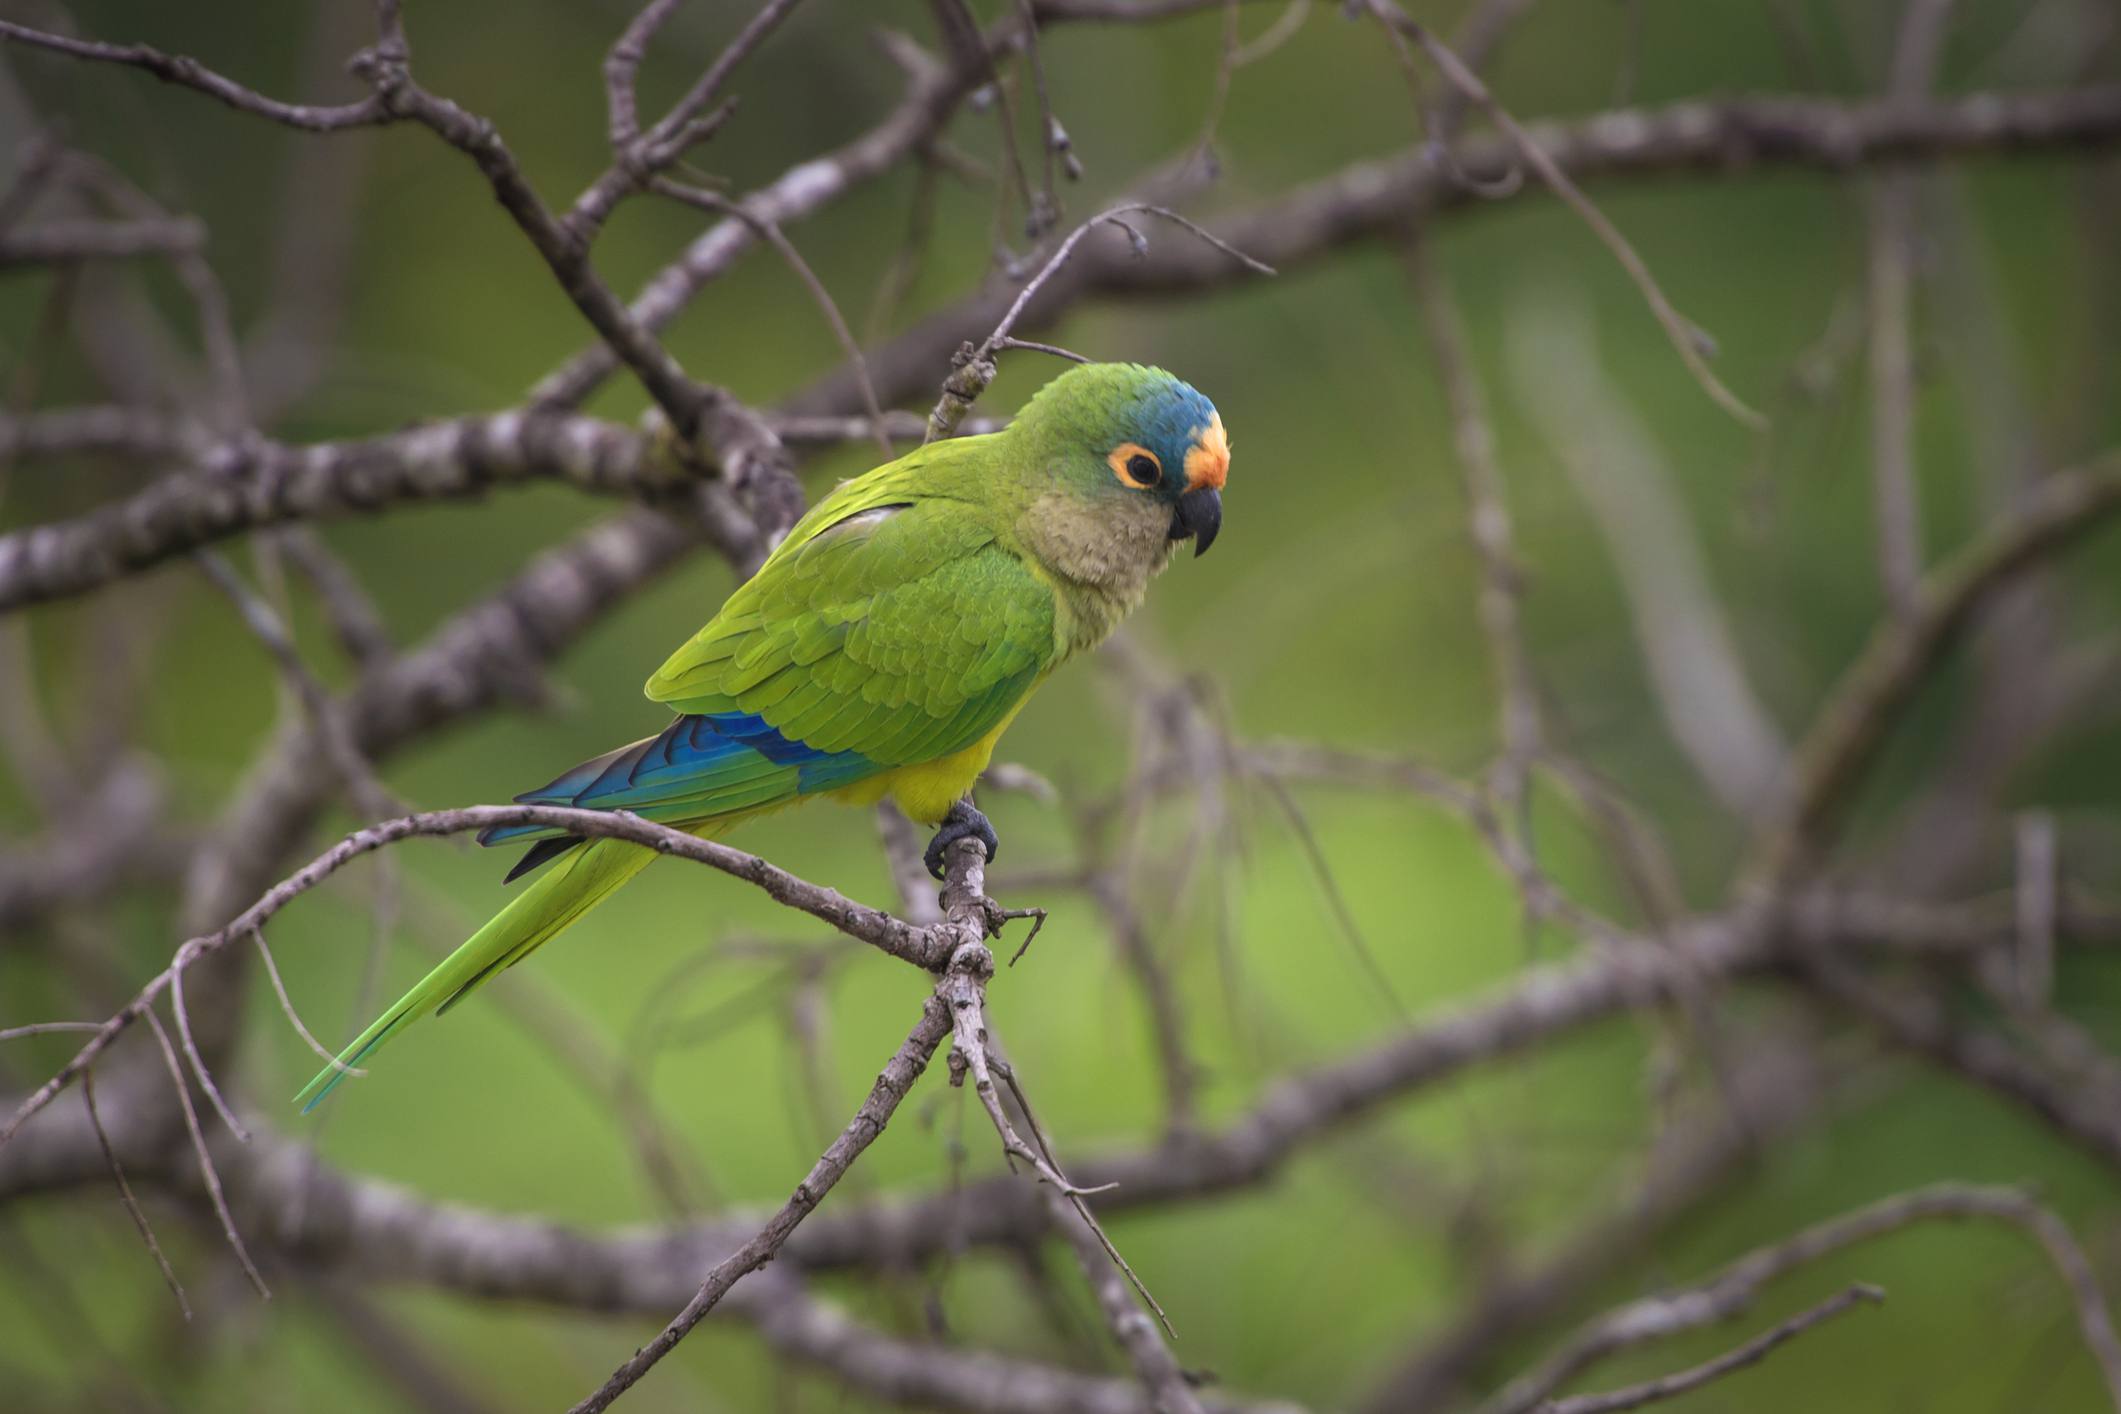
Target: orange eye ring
<point>1135,466</point>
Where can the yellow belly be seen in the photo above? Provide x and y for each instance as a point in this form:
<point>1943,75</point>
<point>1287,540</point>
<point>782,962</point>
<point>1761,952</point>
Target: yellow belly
<point>926,790</point>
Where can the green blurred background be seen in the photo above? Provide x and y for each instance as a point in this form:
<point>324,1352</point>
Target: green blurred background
<point>1338,608</point>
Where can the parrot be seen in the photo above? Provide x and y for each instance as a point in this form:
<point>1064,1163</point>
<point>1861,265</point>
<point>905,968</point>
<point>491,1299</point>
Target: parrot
<point>881,649</point>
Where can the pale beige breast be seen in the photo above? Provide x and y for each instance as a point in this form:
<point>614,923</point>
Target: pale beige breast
<point>1099,556</point>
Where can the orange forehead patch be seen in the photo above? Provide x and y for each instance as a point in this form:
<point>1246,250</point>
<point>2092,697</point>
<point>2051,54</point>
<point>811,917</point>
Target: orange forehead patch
<point>1208,459</point>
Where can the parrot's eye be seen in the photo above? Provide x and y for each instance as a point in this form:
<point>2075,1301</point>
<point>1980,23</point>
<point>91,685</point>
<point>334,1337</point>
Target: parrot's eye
<point>1135,465</point>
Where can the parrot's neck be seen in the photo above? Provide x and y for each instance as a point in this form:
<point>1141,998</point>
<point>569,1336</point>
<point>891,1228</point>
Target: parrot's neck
<point>1101,562</point>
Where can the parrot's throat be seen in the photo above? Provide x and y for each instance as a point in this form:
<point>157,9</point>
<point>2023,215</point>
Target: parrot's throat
<point>1102,555</point>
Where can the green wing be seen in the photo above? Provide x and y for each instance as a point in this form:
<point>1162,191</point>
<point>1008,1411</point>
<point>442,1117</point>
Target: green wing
<point>889,626</point>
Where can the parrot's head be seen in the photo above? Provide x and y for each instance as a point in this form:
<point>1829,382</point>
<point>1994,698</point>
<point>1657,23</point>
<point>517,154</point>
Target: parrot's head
<point>1142,455</point>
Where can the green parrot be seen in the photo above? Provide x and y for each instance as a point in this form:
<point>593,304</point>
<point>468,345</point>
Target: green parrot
<point>882,649</point>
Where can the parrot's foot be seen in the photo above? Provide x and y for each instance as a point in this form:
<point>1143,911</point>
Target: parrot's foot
<point>963,820</point>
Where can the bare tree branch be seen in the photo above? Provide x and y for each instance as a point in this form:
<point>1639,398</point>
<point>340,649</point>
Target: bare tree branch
<point>1376,200</point>
<point>1834,756</point>
<point>1730,1292</point>
<point>928,948</point>
<point>974,368</point>
<point>1751,1353</point>
<point>1686,337</point>
<point>190,73</point>
<point>1892,235</point>
<point>641,156</point>
<point>247,484</point>
<point>892,1083</point>
<point>1698,678</point>
<point>58,242</point>
<point>1131,1326</point>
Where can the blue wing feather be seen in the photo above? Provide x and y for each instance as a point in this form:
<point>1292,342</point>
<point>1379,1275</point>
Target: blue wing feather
<point>700,766</point>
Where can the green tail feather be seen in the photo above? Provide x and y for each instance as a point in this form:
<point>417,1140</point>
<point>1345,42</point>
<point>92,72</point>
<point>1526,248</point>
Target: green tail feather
<point>576,883</point>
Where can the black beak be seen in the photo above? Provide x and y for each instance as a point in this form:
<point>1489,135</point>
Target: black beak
<point>1200,515</point>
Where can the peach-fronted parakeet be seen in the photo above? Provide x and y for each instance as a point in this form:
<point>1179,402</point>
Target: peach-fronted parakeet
<point>883,647</point>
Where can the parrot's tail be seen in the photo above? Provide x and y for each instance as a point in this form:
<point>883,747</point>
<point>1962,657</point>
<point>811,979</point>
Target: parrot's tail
<point>575,884</point>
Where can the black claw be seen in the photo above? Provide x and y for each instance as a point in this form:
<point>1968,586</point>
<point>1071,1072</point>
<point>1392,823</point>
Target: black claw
<point>964,819</point>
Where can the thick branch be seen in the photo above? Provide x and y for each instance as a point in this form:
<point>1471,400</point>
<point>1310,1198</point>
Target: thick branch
<point>58,242</point>
<point>1376,200</point>
<point>2085,1109</point>
<point>247,484</point>
<point>927,1376</point>
<point>1893,217</point>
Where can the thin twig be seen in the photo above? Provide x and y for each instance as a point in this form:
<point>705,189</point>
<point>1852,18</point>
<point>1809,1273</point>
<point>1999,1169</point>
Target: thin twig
<point>1228,57</point>
<point>857,364</point>
<point>1054,142</point>
<point>125,1195</point>
<point>1076,1198</point>
<point>1687,338</point>
<point>47,1028</point>
<point>1731,1291</point>
<point>363,787</point>
<point>892,1083</point>
<point>190,73</point>
<point>294,1018</point>
<point>622,65</point>
<point>185,956</point>
<point>976,369</point>
<point>1751,1353</point>
<point>1153,1361</point>
<point>208,1174</point>
<point>639,157</point>
<point>1038,218</point>
<point>701,415</point>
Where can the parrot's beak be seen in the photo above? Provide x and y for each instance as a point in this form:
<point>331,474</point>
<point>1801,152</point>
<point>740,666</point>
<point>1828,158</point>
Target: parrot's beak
<point>1200,510</point>
<point>1199,515</point>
